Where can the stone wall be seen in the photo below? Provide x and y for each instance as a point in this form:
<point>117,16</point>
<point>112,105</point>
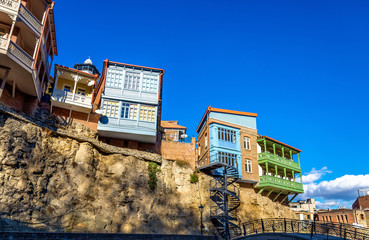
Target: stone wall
<point>64,181</point>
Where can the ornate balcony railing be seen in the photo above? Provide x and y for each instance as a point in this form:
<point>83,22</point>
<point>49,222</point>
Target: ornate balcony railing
<point>23,57</point>
<point>29,19</point>
<point>3,42</point>
<point>278,160</point>
<point>276,182</point>
<point>10,4</point>
<point>64,96</point>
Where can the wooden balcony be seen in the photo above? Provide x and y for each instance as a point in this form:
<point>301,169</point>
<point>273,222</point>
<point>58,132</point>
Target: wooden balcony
<point>67,97</point>
<point>278,160</point>
<point>30,20</point>
<point>20,56</point>
<point>279,184</point>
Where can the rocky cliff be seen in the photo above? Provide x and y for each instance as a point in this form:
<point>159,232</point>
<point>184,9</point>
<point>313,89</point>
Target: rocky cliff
<point>57,180</point>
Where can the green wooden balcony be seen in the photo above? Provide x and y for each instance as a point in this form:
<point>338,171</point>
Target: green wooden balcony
<point>279,161</point>
<point>279,184</point>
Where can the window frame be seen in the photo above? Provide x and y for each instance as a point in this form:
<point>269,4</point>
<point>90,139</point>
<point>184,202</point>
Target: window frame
<point>148,113</point>
<point>80,88</point>
<point>247,144</point>
<point>227,135</point>
<point>126,108</point>
<point>248,165</point>
<point>116,108</point>
<point>67,85</point>
<point>129,83</point>
<point>115,78</point>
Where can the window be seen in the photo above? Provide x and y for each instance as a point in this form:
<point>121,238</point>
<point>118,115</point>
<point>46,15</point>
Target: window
<point>149,82</point>
<point>132,80</point>
<point>114,77</point>
<point>361,216</point>
<point>228,158</point>
<point>81,91</point>
<point>246,143</point>
<point>227,135</point>
<point>67,88</point>
<point>129,111</point>
<point>248,166</point>
<point>308,216</point>
<point>206,140</point>
<point>111,108</point>
<point>346,218</point>
<point>147,113</point>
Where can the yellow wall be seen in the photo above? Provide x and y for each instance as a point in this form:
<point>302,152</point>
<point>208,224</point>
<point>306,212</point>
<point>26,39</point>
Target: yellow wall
<point>61,81</point>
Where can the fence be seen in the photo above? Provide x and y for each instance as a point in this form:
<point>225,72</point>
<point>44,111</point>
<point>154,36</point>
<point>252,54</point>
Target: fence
<point>315,229</point>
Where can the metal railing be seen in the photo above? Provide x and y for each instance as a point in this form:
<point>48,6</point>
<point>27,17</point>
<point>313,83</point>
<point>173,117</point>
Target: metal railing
<point>10,4</point>
<point>30,19</point>
<point>278,159</point>
<point>64,96</point>
<point>314,229</point>
<point>21,55</point>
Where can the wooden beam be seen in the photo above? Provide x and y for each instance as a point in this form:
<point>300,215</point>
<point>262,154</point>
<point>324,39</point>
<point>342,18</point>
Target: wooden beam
<point>4,81</point>
<point>293,198</point>
<point>269,193</point>
<point>285,197</point>
<point>13,90</point>
<point>277,195</point>
<point>261,190</point>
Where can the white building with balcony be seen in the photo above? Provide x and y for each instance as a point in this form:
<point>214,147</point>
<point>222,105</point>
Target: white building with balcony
<point>27,47</point>
<point>73,90</point>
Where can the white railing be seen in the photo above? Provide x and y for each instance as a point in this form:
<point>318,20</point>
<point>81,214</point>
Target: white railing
<point>10,4</point>
<point>64,96</point>
<point>3,42</point>
<point>30,19</point>
<point>21,55</point>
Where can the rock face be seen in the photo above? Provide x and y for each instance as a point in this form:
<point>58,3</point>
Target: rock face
<point>63,184</point>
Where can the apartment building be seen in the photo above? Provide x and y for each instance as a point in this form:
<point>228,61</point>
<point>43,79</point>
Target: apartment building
<point>229,137</point>
<point>130,98</point>
<point>27,47</point>
<point>304,209</point>
<point>74,89</point>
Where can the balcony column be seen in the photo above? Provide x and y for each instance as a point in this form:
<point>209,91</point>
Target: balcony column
<point>274,149</point>
<point>283,152</point>
<point>276,170</point>
<point>300,178</point>
<point>285,174</point>
<point>4,81</point>
<point>76,79</point>
<point>291,155</point>
<point>35,52</point>
<point>298,157</point>
<point>267,169</point>
<point>14,20</point>
<point>265,146</point>
<point>293,175</point>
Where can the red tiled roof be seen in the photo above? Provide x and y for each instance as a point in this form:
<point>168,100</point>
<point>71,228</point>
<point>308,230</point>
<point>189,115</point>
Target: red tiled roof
<point>171,124</point>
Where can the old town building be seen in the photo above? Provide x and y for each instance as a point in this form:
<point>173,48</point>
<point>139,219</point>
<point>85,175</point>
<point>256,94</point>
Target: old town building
<point>27,47</point>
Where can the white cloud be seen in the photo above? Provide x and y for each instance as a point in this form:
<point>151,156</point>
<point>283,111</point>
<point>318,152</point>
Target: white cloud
<point>343,188</point>
<point>315,175</point>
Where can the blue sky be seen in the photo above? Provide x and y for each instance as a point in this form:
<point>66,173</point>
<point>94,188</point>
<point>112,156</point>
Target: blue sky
<point>301,65</point>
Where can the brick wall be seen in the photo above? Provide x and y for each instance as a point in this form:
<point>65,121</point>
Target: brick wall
<point>180,151</point>
<point>343,216</point>
<point>21,101</point>
<point>77,117</point>
<point>361,203</point>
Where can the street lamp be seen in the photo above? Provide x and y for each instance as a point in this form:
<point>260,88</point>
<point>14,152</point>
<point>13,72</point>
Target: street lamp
<point>201,207</point>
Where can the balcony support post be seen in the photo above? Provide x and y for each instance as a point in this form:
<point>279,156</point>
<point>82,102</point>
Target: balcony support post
<point>291,155</point>
<point>283,152</point>
<point>293,175</point>
<point>4,80</point>
<point>274,149</point>
<point>58,73</point>
<point>265,146</point>
<point>267,168</point>
<point>270,192</point>
<point>293,198</point>
<point>298,157</point>
<point>14,20</point>
<point>285,174</point>
<point>13,89</point>
<point>285,197</point>
<point>276,170</point>
<point>276,197</point>
<point>300,178</point>
<point>261,190</point>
